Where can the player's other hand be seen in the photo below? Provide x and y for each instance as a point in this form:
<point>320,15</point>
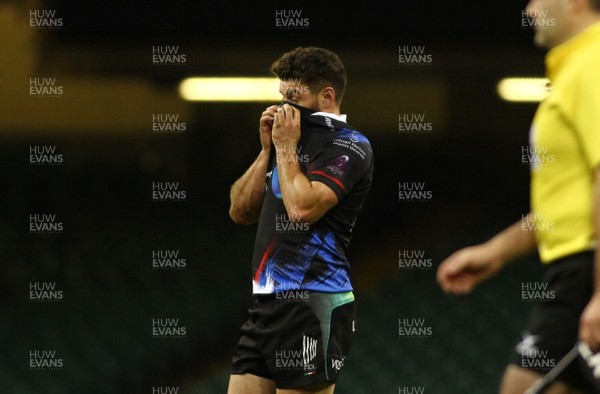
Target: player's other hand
<point>466,268</point>
<point>589,323</point>
<point>266,127</point>
<point>286,126</point>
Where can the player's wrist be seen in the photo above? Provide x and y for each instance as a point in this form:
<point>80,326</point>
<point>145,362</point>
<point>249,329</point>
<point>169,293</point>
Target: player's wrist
<point>264,153</point>
<point>285,147</point>
<point>286,152</point>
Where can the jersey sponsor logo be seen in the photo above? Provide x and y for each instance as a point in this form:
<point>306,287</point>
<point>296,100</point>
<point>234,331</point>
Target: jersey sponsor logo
<point>339,165</point>
<point>350,139</point>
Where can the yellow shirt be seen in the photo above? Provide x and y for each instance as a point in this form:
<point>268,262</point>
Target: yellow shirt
<point>565,149</point>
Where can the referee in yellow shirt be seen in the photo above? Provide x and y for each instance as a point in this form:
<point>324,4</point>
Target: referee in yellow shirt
<point>564,221</point>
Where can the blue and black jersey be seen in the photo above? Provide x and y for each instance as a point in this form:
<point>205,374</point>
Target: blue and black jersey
<point>290,255</point>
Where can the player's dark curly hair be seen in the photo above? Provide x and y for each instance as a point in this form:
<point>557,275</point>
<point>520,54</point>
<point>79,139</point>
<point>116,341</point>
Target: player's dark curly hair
<point>316,67</point>
<point>595,5</point>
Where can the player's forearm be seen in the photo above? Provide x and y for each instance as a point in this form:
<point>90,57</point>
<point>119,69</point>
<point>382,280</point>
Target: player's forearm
<point>516,241</point>
<point>247,193</point>
<point>296,189</point>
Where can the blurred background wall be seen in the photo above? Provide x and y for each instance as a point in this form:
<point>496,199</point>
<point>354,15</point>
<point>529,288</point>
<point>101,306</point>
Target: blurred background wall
<point>95,270</point>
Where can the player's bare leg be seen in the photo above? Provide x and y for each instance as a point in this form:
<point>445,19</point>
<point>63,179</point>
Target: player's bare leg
<point>325,388</point>
<point>250,384</point>
<point>517,380</point>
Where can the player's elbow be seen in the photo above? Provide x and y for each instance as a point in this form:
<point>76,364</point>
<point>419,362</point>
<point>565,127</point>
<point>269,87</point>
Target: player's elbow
<point>310,211</point>
<point>303,215</point>
<point>240,217</point>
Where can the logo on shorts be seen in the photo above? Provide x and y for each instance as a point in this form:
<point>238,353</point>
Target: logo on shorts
<point>309,352</point>
<point>337,363</point>
<point>531,356</point>
<point>299,360</point>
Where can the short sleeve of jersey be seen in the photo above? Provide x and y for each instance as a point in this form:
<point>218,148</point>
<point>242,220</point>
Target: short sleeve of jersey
<point>587,111</point>
<point>342,164</point>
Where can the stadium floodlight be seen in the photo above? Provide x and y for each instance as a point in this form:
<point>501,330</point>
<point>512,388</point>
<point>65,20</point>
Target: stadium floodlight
<point>230,89</point>
<point>523,89</point>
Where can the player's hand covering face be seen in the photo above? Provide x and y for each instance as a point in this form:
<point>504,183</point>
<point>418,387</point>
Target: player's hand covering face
<point>286,126</point>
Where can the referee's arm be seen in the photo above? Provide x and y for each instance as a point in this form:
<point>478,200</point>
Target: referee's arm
<point>466,268</point>
<point>589,326</point>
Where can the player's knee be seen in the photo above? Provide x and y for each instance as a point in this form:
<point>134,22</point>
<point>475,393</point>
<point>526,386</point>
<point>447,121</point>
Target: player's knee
<point>517,380</point>
<point>319,388</point>
<point>250,384</point>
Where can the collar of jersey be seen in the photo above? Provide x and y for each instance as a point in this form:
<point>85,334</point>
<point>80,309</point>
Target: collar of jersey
<point>555,59</point>
<point>307,111</point>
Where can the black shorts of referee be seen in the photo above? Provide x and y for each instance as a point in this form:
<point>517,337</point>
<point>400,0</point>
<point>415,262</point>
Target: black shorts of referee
<point>553,326</point>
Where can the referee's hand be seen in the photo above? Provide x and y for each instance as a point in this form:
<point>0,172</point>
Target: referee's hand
<point>466,268</point>
<point>589,324</point>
